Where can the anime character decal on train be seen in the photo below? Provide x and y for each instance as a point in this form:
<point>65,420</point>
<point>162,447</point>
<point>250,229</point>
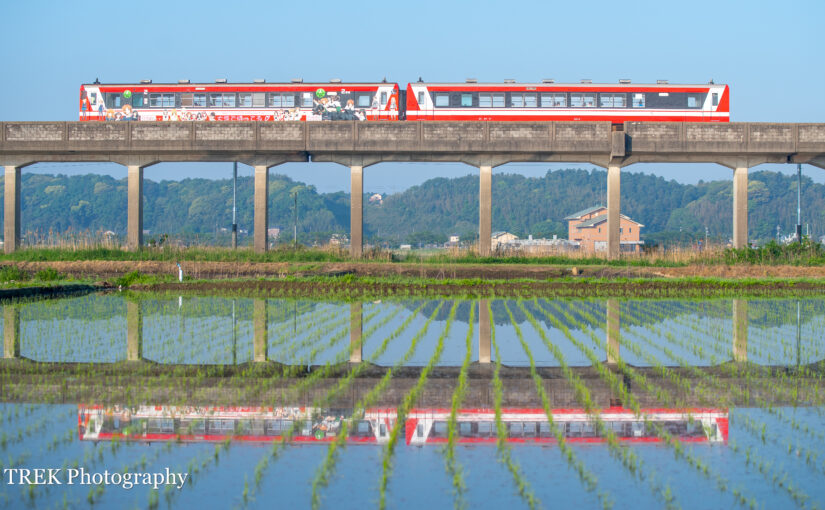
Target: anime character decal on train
<point>239,102</point>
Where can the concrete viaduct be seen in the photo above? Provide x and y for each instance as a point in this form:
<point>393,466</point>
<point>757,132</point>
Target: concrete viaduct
<point>485,145</point>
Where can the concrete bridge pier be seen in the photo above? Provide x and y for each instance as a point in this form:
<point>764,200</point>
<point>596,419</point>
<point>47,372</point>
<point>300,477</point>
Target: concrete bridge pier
<point>740,206</point>
<point>260,340</point>
<point>355,331</point>
<point>613,330</point>
<point>134,330</point>
<point>484,331</point>
<point>261,220</point>
<point>740,330</point>
<point>485,211</point>
<point>356,205</point>
<point>11,209</point>
<point>134,221</point>
<point>11,331</point>
<point>613,211</point>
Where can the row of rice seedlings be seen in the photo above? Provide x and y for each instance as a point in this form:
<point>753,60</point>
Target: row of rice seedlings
<point>325,471</point>
<point>502,447</point>
<point>780,380</point>
<point>23,432</point>
<point>794,448</point>
<point>706,395</point>
<point>744,393</point>
<point>409,402</point>
<point>453,467</point>
<point>628,458</point>
<point>759,431</point>
<point>627,398</point>
<point>587,478</point>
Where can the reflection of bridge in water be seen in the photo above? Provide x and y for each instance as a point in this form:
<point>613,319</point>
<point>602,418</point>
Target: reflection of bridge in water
<point>261,317</point>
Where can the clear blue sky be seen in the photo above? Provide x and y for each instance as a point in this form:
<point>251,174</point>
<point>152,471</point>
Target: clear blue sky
<point>770,53</point>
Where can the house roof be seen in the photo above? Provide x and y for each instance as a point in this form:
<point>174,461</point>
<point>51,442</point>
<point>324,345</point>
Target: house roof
<point>601,219</point>
<point>581,213</point>
<point>502,233</point>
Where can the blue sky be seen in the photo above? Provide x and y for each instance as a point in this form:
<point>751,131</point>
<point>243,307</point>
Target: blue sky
<point>770,53</point>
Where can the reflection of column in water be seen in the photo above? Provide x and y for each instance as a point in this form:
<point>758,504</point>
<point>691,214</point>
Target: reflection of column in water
<point>798,330</point>
<point>11,331</point>
<point>613,330</point>
<point>484,331</point>
<point>740,330</point>
<point>234,324</point>
<point>134,330</point>
<point>259,325</point>
<point>355,326</point>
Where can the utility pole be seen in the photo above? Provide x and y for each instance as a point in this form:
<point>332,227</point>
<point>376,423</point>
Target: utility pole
<point>234,195</point>
<point>295,223</point>
<point>798,203</point>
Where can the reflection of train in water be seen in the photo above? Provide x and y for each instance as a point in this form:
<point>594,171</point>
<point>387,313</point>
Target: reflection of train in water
<point>213,423</point>
<point>422,426</point>
<point>531,425</point>
<point>470,101</point>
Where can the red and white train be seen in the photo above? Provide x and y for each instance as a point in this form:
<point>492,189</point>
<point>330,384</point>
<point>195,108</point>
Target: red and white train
<point>219,423</point>
<point>374,426</point>
<point>420,101</point>
<point>426,426</point>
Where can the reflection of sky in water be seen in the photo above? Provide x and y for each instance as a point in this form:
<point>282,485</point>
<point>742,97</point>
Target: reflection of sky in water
<point>419,479</point>
<point>199,330</point>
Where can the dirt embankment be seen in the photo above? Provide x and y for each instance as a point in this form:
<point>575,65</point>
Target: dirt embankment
<point>223,270</point>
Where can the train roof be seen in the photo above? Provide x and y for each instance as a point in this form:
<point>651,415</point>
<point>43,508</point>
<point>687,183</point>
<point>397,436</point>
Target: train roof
<point>244,83</point>
<point>559,84</point>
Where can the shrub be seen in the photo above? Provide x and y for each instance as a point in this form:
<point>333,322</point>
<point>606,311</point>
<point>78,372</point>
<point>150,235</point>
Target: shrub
<point>12,273</point>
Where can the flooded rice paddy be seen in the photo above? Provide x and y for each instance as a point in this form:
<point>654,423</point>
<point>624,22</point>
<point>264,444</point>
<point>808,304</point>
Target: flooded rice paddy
<point>487,403</point>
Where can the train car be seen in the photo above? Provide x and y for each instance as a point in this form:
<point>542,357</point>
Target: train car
<point>257,101</point>
<point>427,426</point>
<point>546,101</point>
<point>219,423</point>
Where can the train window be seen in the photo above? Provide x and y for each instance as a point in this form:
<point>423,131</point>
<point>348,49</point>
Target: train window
<point>638,100</point>
<point>162,100</point>
<point>485,428</point>
<point>288,101</point>
<point>245,99</point>
<point>419,430</point>
<point>529,429</point>
<point>258,99</point>
<point>229,100</point>
<point>215,100</point>
<point>186,100</point>
<point>466,100</point>
<point>383,98</point>
<point>485,100</point>
<point>515,429</point>
<point>199,101</point>
<point>576,100</point>
<point>442,99</point>
<point>274,100</point>
<point>137,100</point>
<point>498,100</point>
<point>547,100</point>
<point>306,100</point>
<point>611,100</point>
<point>364,100</point>
<point>544,429</point>
<point>421,99</point>
<point>693,102</point>
<point>517,100</point>
<point>715,99</point>
<point>530,101</point>
<point>465,429</point>
<point>553,100</point>
<point>589,100</point>
<point>382,429</point>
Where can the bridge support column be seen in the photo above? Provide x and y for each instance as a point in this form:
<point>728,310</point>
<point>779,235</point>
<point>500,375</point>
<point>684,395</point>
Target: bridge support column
<point>261,221</point>
<point>613,330</point>
<point>613,211</point>
<point>134,331</point>
<point>11,218</point>
<point>740,330</point>
<point>134,238</point>
<point>260,340</point>
<point>355,331</point>
<point>356,206</point>
<point>11,331</point>
<point>485,211</point>
<point>740,207</point>
<point>483,331</point>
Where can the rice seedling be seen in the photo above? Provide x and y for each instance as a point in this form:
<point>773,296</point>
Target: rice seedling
<point>585,476</point>
<point>454,469</point>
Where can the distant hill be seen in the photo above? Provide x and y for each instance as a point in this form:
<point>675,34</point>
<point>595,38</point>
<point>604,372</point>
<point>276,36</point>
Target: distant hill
<point>428,212</point>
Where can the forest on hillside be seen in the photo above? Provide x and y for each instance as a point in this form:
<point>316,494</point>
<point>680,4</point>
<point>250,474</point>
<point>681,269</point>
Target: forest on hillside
<point>429,212</point>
